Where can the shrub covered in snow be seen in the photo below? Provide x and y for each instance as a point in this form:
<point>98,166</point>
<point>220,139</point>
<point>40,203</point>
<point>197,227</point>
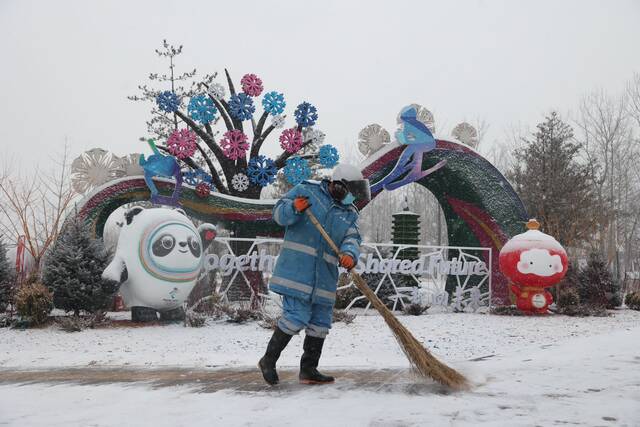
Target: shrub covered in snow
<point>568,297</point>
<point>34,302</point>
<point>596,285</point>
<point>632,300</point>
<point>6,282</point>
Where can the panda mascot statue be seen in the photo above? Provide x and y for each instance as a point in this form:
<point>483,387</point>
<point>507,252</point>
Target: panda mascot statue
<point>158,259</point>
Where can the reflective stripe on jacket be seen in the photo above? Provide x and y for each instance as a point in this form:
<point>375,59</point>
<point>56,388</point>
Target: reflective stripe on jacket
<point>307,268</point>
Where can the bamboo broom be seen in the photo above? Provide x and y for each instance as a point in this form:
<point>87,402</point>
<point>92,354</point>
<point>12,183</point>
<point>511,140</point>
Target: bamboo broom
<point>420,358</point>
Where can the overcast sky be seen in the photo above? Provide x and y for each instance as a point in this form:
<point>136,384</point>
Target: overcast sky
<point>67,66</point>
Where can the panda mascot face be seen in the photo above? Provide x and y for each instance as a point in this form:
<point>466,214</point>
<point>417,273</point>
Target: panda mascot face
<point>158,257</point>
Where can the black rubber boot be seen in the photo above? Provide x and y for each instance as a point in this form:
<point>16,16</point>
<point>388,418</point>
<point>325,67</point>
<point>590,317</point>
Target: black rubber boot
<point>309,362</point>
<point>267,364</point>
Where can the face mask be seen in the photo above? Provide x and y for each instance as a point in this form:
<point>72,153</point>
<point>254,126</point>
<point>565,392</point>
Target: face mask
<point>348,199</point>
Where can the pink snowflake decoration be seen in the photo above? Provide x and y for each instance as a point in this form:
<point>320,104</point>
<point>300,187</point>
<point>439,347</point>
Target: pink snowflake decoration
<point>251,85</point>
<point>291,140</point>
<point>182,143</point>
<point>234,144</point>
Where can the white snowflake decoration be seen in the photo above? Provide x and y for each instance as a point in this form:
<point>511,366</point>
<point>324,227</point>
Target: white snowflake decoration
<point>466,134</point>
<point>92,169</point>
<point>277,121</point>
<point>129,165</point>
<point>425,116</point>
<point>315,135</point>
<point>372,138</point>
<point>240,182</point>
<point>217,91</point>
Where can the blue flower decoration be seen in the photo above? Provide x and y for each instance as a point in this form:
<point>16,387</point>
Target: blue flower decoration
<point>202,109</point>
<point>297,170</point>
<point>168,101</point>
<point>328,156</point>
<point>273,103</point>
<point>195,177</point>
<point>261,170</point>
<point>306,114</point>
<point>241,106</point>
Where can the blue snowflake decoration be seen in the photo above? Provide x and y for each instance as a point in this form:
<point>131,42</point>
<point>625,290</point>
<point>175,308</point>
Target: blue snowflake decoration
<point>306,114</point>
<point>328,156</point>
<point>241,106</point>
<point>195,177</point>
<point>202,109</point>
<point>168,101</point>
<point>262,171</point>
<point>273,103</point>
<point>297,170</point>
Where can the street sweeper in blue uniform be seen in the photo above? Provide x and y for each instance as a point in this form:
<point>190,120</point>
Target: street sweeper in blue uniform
<point>306,274</point>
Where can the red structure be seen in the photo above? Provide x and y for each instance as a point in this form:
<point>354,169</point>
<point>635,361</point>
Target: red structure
<point>533,261</point>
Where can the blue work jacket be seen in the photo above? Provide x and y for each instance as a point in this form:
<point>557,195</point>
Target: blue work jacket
<point>307,267</point>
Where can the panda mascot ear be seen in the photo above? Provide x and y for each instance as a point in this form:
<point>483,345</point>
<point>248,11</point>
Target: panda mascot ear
<point>207,234</point>
<point>131,213</point>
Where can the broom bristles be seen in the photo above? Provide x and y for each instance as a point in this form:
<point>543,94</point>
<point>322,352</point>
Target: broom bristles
<point>420,358</point>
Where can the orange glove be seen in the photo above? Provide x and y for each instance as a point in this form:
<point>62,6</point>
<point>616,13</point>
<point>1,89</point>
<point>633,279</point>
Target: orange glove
<point>347,261</point>
<point>301,204</point>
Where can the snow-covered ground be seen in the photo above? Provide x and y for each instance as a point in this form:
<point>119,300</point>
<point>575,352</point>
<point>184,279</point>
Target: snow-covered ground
<point>542,371</point>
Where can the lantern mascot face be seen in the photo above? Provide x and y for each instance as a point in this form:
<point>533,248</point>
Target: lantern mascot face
<point>533,261</point>
<point>158,258</point>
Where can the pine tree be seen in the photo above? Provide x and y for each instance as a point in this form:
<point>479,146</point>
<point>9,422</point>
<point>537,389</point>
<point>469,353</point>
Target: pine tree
<point>5,277</point>
<point>555,187</point>
<point>596,285</point>
<point>73,271</point>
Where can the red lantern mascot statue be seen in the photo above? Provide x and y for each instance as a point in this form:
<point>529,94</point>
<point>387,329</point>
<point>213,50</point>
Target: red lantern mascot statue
<point>533,261</point>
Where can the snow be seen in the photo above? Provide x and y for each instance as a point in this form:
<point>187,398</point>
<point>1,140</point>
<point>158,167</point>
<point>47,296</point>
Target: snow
<point>526,370</point>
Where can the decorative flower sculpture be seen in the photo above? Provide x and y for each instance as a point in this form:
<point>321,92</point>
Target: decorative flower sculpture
<point>291,140</point>
<point>262,171</point>
<point>277,121</point>
<point>92,169</point>
<point>241,106</point>
<point>328,156</point>
<point>234,144</point>
<point>168,101</point>
<point>251,85</point>
<point>273,103</point>
<point>203,189</point>
<point>202,109</point>
<point>217,91</point>
<point>297,170</point>
<point>372,138</point>
<point>182,143</point>
<point>240,182</point>
<point>306,114</point>
<point>466,134</point>
<point>315,135</point>
<point>195,177</point>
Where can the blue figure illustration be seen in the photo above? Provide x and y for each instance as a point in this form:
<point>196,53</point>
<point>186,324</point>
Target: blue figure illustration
<point>419,140</point>
<point>160,165</point>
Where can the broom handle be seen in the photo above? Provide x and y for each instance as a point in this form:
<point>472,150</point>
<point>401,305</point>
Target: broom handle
<point>357,279</point>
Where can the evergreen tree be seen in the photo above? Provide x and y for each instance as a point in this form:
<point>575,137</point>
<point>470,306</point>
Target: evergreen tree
<point>555,187</point>
<point>73,271</point>
<point>596,285</point>
<point>6,277</point>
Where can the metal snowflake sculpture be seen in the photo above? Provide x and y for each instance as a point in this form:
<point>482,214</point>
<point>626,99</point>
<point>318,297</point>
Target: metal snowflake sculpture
<point>315,135</point>
<point>277,122</point>
<point>466,134</point>
<point>273,103</point>
<point>241,106</point>
<point>202,109</point>
<point>240,182</point>
<point>291,140</point>
<point>262,171</point>
<point>203,190</point>
<point>182,143</point>
<point>425,116</point>
<point>92,169</point>
<point>328,156</point>
<point>168,101</point>
<point>372,138</point>
<point>217,91</point>
<point>195,177</point>
<point>297,170</point>
<point>234,144</point>
<point>251,85</point>
<point>306,114</point>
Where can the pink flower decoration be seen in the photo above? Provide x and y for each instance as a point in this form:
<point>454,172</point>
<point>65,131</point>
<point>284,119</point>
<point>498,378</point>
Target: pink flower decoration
<point>291,140</point>
<point>182,143</point>
<point>234,144</point>
<point>251,84</point>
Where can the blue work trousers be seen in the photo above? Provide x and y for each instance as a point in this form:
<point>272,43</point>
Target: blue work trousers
<point>298,314</point>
